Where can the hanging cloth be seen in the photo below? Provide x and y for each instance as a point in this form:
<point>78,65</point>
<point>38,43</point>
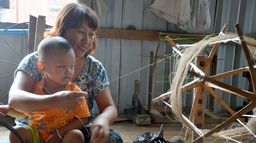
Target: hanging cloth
<point>190,15</point>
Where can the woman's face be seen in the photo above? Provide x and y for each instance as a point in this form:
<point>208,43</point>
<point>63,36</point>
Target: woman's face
<point>81,39</point>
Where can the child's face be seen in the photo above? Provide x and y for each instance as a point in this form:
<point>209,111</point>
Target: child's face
<point>59,69</point>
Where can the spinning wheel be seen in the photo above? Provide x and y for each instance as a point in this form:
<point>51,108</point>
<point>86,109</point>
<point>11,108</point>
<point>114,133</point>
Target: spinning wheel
<point>203,82</point>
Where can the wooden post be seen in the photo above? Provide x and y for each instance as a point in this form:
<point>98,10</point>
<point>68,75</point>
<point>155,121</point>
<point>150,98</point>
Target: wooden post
<point>39,32</point>
<point>150,81</point>
<point>136,112</point>
<point>199,115</point>
<point>248,57</point>
<point>213,70</point>
<point>136,97</point>
<point>31,33</point>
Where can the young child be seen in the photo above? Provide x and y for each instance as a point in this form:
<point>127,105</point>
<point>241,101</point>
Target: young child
<point>56,60</point>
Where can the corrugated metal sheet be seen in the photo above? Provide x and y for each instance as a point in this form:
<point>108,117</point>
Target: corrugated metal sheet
<point>132,55</point>
<point>127,60</point>
<point>12,50</point>
<point>232,12</point>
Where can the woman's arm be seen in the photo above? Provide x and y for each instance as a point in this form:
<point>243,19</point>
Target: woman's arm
<point>21,98</point>
<point>108,113</point>
<point>106,105</point>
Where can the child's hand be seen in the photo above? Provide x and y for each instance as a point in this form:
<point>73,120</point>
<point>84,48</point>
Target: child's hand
<point>68,99</point>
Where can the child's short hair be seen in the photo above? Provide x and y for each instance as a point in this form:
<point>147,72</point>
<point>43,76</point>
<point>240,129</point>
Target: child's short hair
<point>49,46</point>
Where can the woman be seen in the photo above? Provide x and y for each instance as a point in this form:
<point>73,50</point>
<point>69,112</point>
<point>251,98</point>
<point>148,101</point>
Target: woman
<point>78,24</point>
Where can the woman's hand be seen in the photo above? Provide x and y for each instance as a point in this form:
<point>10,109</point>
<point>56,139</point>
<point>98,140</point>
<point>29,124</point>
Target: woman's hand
<point>100,126</point>
<point>99,131</point>
<point>68,99</point>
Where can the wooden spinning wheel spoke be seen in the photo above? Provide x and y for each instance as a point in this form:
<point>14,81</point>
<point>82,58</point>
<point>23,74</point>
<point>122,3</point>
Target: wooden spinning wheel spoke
<point>188,86</point>
<point>219,99</point>
<point>199,91</point>
<point>248,57</point>
<point>202,82</point>
<point>228,88</point>
<point>211,82</point>
<point>215,47</point>
<point>230,73</point>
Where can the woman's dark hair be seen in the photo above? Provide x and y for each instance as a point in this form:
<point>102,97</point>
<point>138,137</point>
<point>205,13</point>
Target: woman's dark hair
<point>72,16</point>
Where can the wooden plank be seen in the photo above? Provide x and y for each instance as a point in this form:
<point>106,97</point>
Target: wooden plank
<point>137,113</point>
<point>201,62</point>
<point>157,117</point>
<point>138,119</point>
<point>128,34</point>
<point>144,35</point>
<point>198,107</point>
<point>212,71</point>
<point>147,46</point>
<point>31,33</point>
<point>39,32</point>
<point>150,81</point>
<point>194,108</point>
